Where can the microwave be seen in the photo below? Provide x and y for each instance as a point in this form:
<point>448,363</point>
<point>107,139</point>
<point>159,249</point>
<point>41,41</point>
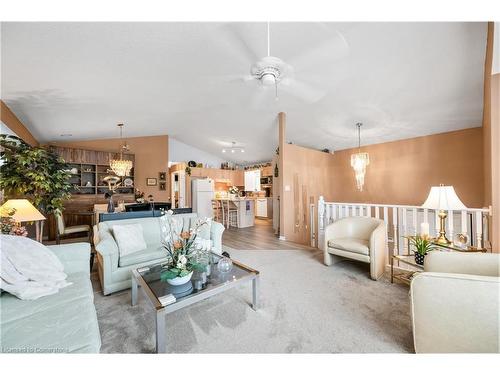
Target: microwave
<point>266,180</point>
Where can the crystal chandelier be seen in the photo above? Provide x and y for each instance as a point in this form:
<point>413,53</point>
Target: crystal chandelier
<point>359,161</point>
<point>119,166</point>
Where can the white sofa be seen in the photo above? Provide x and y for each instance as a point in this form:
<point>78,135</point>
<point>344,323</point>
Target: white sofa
<point>455,303</point>
<point>358,238</point>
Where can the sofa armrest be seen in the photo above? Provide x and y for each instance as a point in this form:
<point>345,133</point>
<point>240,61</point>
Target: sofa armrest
<point>216,230</point>
<point>107,248</point>
<point>75,257</point>
<point>463,263</point>
<point>378,251</point>
<point>455,313</point>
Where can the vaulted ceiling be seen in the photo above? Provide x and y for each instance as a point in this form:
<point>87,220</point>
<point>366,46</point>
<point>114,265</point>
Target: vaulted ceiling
<point>400,80</point>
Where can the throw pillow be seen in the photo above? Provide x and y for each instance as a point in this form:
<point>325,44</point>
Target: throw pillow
<point>129,238</point>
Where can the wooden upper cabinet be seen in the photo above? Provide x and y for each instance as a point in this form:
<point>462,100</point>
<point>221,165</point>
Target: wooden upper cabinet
<point>266,171</point>
<point>80,156</point>
<point>238,178</point>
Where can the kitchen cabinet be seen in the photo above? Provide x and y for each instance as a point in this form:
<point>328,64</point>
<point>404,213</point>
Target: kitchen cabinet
<point>267,171</point>
<point>228,176</point>
<point>261,207</point>
<point>238,178</point>
<point>252,180</point>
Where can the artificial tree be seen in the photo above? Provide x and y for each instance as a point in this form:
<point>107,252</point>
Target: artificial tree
<point>34,173</point>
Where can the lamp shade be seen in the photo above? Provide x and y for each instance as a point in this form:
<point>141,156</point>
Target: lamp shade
<point>443,198</point>
<point>25,211</point>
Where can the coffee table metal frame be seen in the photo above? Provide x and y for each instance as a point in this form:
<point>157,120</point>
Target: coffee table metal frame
<point>162,311</point>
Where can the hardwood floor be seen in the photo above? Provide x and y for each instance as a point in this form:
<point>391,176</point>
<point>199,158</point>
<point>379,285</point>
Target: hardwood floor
<point>259,237</point>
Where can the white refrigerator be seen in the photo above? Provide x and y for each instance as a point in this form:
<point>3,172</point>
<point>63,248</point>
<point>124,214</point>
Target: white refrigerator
<point>202,193</point>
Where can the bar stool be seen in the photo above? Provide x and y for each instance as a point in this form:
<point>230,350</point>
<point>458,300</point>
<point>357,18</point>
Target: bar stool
<point>218,210</point>
<point>231,211</point>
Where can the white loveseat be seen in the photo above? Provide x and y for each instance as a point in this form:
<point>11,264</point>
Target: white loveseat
<point>455,303</point>
<point>115,271</point>
<point>358,238</point>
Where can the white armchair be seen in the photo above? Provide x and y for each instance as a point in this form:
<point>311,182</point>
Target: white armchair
<point>358,238</point>
<point>455,303</point>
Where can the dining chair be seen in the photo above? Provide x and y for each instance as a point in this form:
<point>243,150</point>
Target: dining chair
<point>62,230</point>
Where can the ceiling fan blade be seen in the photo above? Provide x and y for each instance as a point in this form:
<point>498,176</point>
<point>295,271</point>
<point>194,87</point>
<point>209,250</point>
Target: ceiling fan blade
<point>333,49</point>
<point>262,98</point>
<point>301,90</point>
<point>232,40</point>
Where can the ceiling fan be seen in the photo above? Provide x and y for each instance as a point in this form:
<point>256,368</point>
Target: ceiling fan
<point>271,71</point>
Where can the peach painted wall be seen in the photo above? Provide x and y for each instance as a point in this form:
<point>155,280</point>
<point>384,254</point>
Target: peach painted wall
<point>306,175</point>
<point>151,157</point>
<point>400,172</point>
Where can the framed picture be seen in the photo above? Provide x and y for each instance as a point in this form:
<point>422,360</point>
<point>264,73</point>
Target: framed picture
<point>163,185</point>
<point>162,176</point>
<point>151,181</point>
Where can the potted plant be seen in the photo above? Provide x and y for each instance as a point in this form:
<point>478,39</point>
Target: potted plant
<point>422,245</point>
<point>181,248</point>
<point>233,192</point>
<point>35,173</point>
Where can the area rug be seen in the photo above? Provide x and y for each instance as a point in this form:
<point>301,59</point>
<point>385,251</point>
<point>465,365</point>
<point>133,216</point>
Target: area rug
<point>305,307</point>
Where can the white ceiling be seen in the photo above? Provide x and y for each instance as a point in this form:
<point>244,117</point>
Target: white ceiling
<point>400,79</point>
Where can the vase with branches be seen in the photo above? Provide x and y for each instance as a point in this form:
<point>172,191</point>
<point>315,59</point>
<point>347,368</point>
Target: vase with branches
<point>181,246</point>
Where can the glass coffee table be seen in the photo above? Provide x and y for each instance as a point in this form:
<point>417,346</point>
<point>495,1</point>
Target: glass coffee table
<point>166,298</point>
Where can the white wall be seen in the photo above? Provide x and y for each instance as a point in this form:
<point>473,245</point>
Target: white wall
<point>179,152</point>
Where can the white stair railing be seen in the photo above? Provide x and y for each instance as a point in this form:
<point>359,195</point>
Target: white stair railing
<point>405,220</point>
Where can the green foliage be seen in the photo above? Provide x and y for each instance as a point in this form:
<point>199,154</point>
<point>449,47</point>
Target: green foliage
<point>422,244</point>
<point>34,173</point>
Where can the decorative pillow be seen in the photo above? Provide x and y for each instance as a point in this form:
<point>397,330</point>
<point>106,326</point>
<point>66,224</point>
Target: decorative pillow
<point>129,238</point>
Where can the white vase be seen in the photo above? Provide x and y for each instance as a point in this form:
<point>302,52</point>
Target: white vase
<point>180,280</point>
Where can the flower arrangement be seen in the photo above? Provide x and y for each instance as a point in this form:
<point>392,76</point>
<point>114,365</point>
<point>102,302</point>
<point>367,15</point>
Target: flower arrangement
<point>234,190</point>
<point>8,224</point>
<point>139,196</point>
<point>181,248</point>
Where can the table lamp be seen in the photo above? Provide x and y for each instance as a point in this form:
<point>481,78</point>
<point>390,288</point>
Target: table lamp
<point>24,212</point>
<point>443,198</point>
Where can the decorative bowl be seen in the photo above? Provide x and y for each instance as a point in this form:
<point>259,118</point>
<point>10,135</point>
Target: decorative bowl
<point>180,280</point>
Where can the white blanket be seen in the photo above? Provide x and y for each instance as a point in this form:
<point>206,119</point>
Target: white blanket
<point>28,269</point>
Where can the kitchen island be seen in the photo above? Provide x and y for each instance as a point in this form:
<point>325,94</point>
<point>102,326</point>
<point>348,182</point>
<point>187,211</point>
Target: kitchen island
<point>245,211</point>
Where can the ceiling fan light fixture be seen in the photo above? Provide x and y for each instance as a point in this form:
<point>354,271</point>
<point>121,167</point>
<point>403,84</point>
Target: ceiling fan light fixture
<point>268,79</point>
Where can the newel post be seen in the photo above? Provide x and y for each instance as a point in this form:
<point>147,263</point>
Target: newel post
<point>321,222</point>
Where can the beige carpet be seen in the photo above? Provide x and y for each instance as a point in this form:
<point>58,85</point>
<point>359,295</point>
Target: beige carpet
<point>306,307</point>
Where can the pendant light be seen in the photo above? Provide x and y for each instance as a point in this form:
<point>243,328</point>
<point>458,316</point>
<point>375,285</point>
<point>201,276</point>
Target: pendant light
<point>359,162</point>
<point>119,166</point>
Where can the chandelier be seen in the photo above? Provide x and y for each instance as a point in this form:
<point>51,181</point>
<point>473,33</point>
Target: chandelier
<point>119,166</point>
<point>359,161</point>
